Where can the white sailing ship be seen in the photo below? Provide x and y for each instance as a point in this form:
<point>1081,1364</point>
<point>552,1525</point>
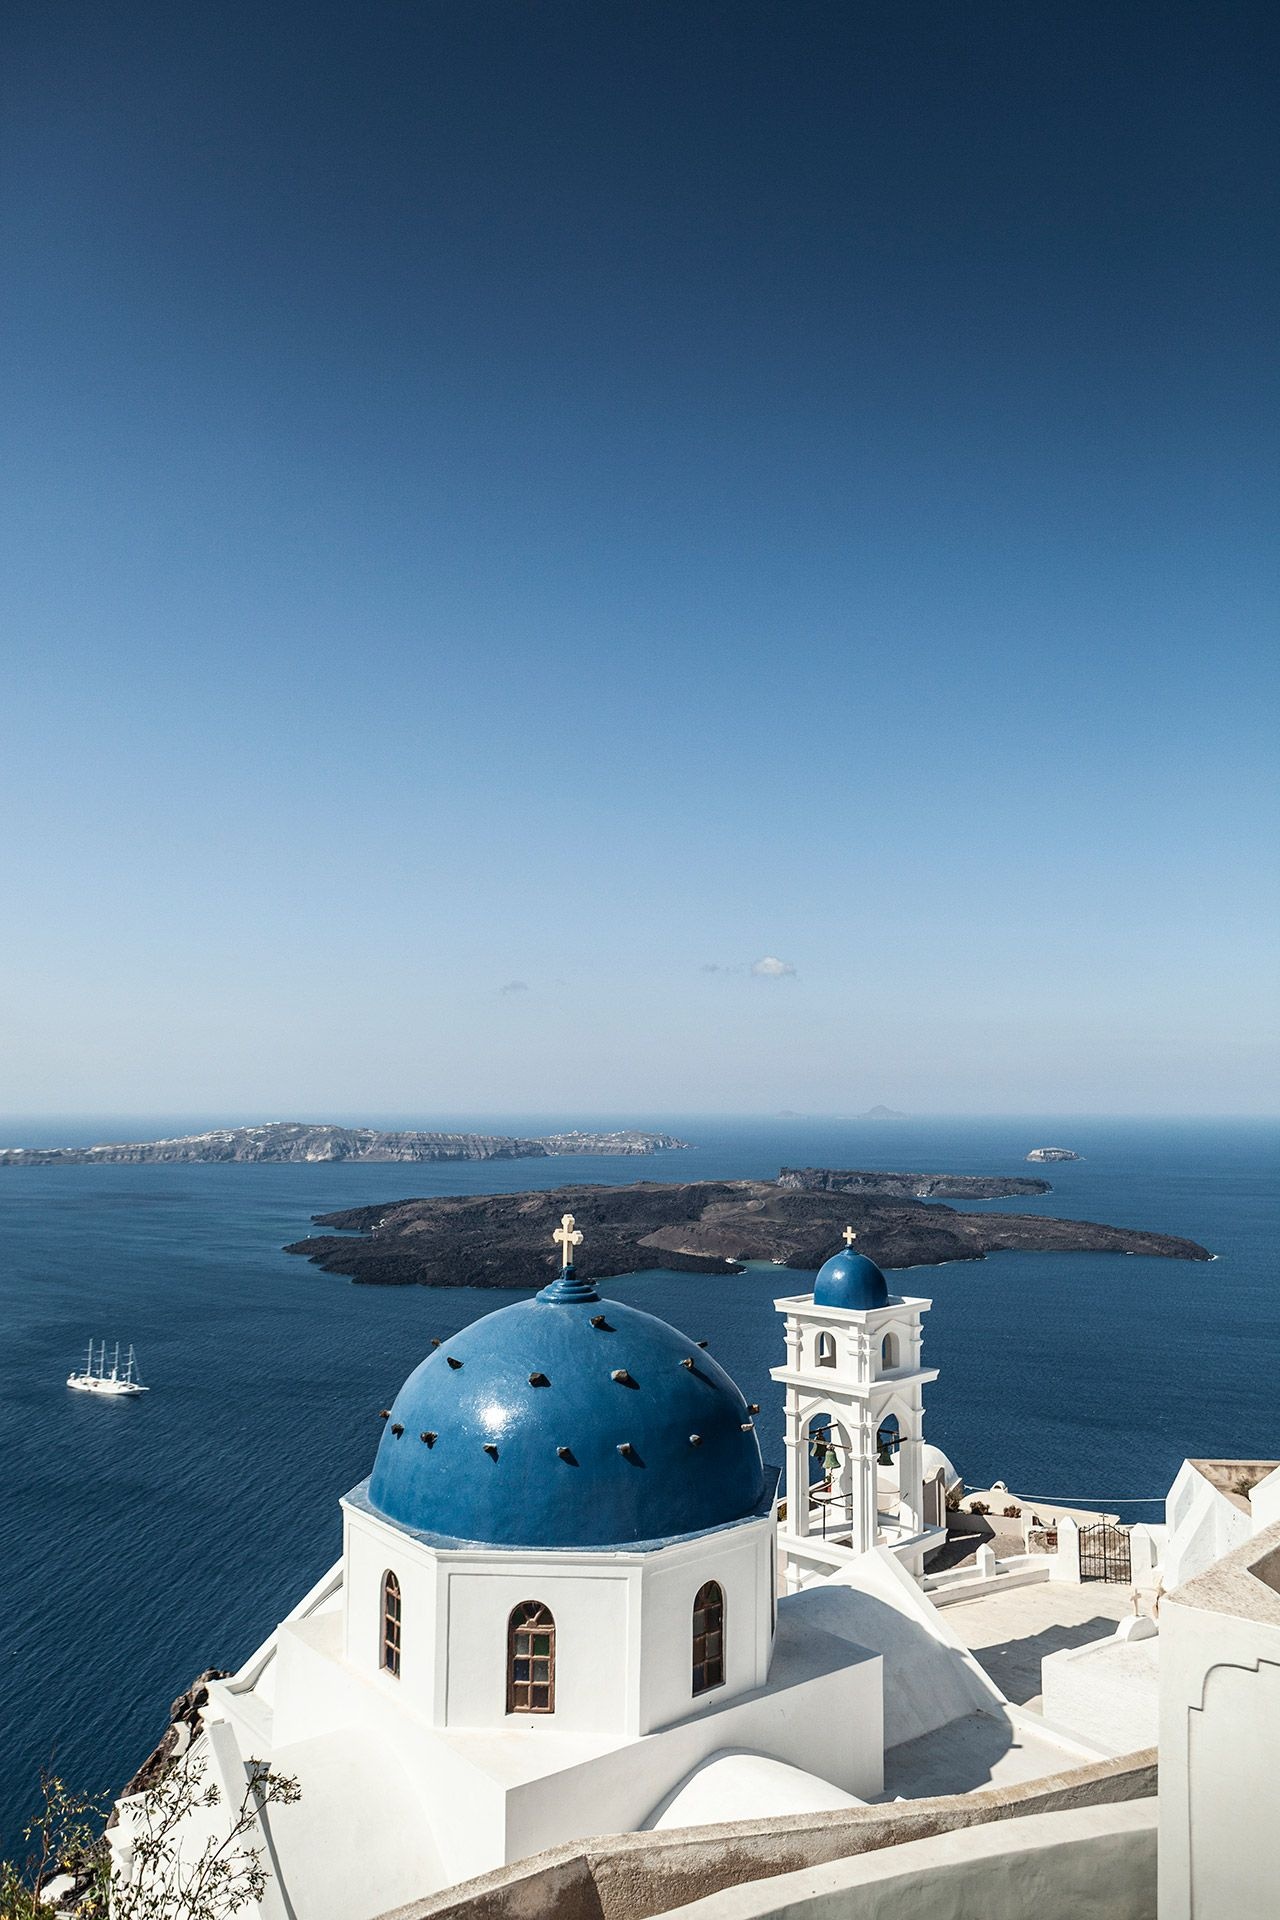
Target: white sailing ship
<point>94,1377</point>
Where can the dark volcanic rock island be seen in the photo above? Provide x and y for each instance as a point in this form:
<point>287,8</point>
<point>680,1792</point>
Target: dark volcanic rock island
<point>504,1239</point>
<point>291,1140</point>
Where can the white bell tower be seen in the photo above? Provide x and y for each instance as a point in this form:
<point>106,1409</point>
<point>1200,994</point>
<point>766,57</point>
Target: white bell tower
<point>855,1400</point>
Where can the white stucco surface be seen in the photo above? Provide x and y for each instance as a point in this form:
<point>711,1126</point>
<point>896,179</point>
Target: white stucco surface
<point>1010,1630</point>
<point>447,1802</point>
<point>930,1676</point>
<point>1204,1523</point>
<point>999,1748</point>
<point>1109,1692</point>
<point>1090,1863</point>
<point>1220,1739</point>
<point>622,1623</point>
<point>746,1786</point>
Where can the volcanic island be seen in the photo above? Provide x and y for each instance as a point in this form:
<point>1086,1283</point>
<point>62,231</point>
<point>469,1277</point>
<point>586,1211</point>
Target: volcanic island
<point>503,1240</point>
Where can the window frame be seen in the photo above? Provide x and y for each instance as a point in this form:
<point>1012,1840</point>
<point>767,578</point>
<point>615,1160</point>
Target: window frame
<point>528,1622</point>
<point>709,1607</point>
<point>391,1646</point>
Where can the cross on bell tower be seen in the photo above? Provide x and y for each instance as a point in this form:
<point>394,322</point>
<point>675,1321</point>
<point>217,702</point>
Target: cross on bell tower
<point>849,1236</point>
<point>569,1236</point>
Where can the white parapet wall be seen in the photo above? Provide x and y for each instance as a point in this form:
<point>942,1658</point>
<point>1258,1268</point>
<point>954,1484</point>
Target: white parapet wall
<point>1091,1863</point>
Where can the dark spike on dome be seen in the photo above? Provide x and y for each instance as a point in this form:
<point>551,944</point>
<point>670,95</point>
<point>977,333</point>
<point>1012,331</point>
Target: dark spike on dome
<point>695,1439</point>
<point>704,1343</point>
<point>385,1413</point>
<point>566,1453</point>
<point>598,1320</point>
<point>436,1341</point>
<point>539,1380</point>
<point>430,1438</point>
<point>490,1449</point>
<point>747,1425</point>
<point>454,1363</point>
<point>622,1377</point>
<point>397,1427</point>
<point>688,1362</point>
<point>753,1406</point>
<point>626,1449</point>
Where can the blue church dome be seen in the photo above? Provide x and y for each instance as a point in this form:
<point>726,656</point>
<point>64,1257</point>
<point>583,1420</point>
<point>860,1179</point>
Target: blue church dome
<point>568,1421</point>
<point>850,1280</point>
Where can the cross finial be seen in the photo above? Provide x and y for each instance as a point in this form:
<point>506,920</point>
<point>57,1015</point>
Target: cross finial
<point>569,1238</point>
<point>849,1236</point>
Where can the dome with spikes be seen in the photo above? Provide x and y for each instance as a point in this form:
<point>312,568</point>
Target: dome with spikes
<point>568,1421</point>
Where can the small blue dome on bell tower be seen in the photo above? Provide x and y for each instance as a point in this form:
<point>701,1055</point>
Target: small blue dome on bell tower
<point>850,1280</point>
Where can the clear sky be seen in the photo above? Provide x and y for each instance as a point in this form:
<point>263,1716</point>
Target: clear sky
<point>515,514</point>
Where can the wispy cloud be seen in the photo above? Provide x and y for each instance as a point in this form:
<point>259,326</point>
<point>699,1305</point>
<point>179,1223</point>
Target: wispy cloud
<point>515,986</point>
<point>772,969</point>
<point>769,968</point>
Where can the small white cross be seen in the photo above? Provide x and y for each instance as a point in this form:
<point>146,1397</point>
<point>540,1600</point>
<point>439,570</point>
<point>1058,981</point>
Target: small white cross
<point>568,1238</point>
<point>849,1236</point>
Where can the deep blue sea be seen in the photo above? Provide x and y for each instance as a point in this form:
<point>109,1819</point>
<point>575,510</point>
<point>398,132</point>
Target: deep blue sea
<point>142,1541</point>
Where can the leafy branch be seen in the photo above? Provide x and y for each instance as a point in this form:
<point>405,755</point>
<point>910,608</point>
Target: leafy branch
<point>162,1869</point>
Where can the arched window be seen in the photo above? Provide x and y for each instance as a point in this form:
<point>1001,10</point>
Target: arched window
<point>531,1659</point>
<point>708,1638</point>
<point>889,1353</point>
<point>826,1350</point>
<point>888,1441</point>
<point>391,1625</point>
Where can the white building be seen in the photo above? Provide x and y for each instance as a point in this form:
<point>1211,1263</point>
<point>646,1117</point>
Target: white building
<point>557,1618</point>
<point>557,1602</point>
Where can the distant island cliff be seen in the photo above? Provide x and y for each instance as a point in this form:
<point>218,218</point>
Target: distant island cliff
<point>709,1226</point>
<point>289,1140</point>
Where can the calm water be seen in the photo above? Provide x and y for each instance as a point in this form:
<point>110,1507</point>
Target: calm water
<point>142,1541</point>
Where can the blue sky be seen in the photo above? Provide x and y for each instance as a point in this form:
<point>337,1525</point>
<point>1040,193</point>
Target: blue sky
<point>593,497</point>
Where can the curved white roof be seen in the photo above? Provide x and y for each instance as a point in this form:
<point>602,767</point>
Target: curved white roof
<point>733,1785</point>
<point>931,1458</point>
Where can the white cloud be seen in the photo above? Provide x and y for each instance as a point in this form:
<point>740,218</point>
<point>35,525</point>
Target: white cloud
<point>771,969</point>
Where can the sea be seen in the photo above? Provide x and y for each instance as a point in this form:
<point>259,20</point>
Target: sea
<point>144,1540</point>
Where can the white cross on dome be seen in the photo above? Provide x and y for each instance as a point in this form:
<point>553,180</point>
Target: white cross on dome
<point>569,1237</point>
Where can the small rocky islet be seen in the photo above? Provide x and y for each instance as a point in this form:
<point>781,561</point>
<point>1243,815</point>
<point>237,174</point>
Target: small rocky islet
<point>503,1240</point>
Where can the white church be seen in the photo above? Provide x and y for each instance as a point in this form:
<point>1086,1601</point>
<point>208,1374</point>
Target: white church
<point>573,1606</point>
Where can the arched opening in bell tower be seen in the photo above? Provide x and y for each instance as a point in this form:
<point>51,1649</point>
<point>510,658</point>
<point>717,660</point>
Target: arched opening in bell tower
<point>831,1475</point>
<point>888,1441</point>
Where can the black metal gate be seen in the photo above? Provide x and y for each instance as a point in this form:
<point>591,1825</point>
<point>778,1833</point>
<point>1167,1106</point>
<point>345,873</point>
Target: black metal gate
<point>1104,1553</point>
